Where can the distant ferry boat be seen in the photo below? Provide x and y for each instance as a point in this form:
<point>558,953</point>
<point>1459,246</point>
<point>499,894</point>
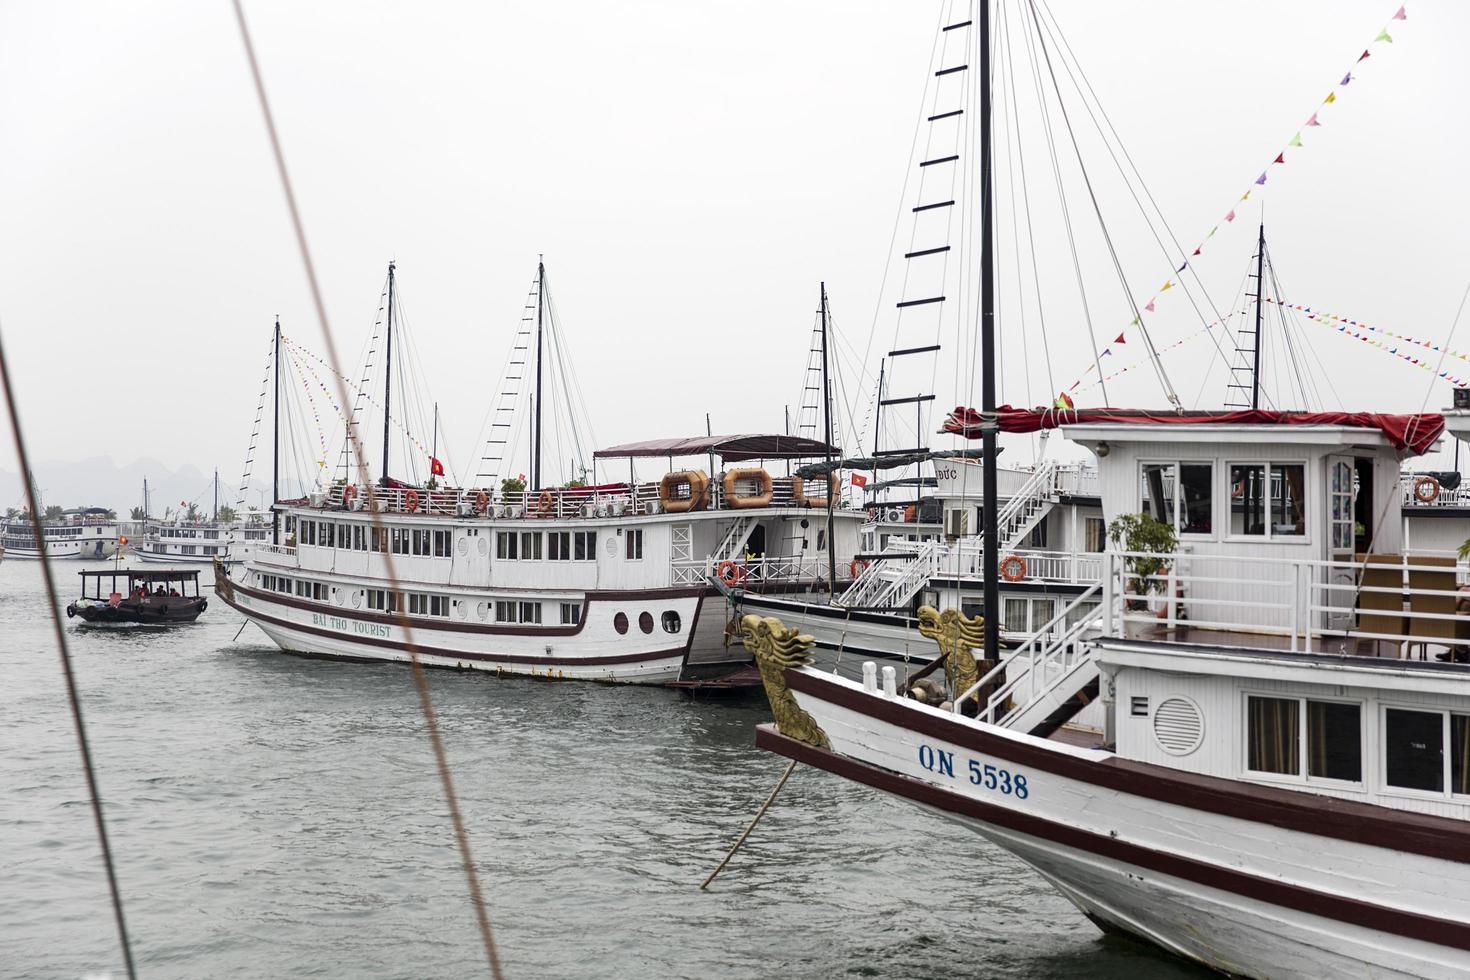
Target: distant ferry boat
<point>87,533</point>
<point>201,542</point>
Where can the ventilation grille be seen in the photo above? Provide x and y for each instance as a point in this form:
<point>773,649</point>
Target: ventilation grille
<point>1178,727</point>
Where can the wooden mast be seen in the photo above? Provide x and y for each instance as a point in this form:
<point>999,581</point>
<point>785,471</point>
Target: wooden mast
<point>827,437</point>
<point>1260,302</point>
<point>388,377</point>
<point>276,439</point>
<point>536,411</point>
<point>987,351</point>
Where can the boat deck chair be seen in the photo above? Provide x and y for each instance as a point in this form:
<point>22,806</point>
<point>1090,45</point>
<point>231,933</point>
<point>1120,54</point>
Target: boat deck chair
<point>1432,573</point>
<point>1380,612</point>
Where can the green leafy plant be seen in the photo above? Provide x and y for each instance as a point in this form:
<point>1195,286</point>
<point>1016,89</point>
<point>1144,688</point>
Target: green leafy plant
<point>512,486</point>
<point>55,513</point>
<point>1142,533</point>
<point>136,514</point>
<point>1465,549</point>
<point>574,484</point>
<point>227,515</point>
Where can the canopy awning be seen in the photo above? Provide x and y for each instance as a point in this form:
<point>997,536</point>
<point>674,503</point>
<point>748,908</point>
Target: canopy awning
<point>731,448</point>
<point>1414,434</point>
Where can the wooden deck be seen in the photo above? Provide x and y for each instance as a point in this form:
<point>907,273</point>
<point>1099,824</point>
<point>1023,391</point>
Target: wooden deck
<point>1276,643</point>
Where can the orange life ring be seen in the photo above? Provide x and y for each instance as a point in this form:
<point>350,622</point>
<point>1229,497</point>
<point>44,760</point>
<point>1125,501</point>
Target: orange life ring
<point>799,494</point>
<point>349,495</point>
<point>1013,568</point>
<point>1426,489</point>
<point>730,573</point>
<point>910,514</point>
<point>546,504</point>
<point>857,566</point>
<point>694,480</point>
<point>411,501</point>
<point>482,501</point>
<point>761,498</point>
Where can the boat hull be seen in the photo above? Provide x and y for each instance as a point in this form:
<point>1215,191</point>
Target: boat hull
<point>592,650</point>
<point>1251,881</point>
<point>154,614</point>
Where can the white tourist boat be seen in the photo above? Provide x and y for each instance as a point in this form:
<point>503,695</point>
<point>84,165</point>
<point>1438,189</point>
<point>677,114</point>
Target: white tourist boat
<point>609,582</point>
<point>88,533</point>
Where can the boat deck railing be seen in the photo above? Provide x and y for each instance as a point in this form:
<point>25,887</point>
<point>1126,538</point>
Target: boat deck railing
<point>756,575</point>
<point>1373,605</point>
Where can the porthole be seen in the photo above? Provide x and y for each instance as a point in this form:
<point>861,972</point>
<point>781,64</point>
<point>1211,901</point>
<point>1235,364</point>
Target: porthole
<point>482,610</point>
<point>645,622</point>
<point>620,623</point>
<point>670,620</point>
<point>356,599</point>
<point>463,547</point>
<point>1178,726</point>
<point>484,546</point>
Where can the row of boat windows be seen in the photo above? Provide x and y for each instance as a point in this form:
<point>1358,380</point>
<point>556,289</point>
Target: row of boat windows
<point>25,533</point>
<point>1267,499</point>
<point>420,603</point>
<point>557,545</point>
<point>425,542</point>
<point>1426,751</point>
<point>187,549</point>
<point>185,532</point>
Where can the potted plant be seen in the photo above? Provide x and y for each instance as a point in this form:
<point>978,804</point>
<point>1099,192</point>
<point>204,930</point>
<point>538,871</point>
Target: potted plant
<point>1152,542</point>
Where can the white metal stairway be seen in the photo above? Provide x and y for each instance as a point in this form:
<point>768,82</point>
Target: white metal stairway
<point>731,546</point>
<point>1028,507</point>
<point>1050,677</point>
<point>892,582</point>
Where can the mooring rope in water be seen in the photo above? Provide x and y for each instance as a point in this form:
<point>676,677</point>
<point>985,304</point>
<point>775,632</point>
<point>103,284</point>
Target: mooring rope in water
<point>759,813</point>
<point>66,668</point>
<point>420,681</point>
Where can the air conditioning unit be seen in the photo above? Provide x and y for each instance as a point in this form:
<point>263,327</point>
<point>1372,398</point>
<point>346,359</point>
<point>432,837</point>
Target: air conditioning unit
<point>317,499</point>
<point>465,508</point>
<point>589,510</point>
<point>956,524</point>
<point>893,515</point>
<point>513,510</point>
<point>652,507</point>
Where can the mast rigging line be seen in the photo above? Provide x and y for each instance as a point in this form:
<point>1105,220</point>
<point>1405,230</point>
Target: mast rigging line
<point>420,681</point>
<point>94,795</point>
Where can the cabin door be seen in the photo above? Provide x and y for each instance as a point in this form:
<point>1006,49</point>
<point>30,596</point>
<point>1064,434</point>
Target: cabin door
<point>1341,542</point>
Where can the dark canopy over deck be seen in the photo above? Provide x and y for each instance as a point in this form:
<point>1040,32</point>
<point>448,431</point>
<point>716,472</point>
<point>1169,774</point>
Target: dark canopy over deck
<point>147,575</point>
<point>729,448</point>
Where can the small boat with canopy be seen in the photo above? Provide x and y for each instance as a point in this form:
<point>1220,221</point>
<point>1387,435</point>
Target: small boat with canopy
<point>146,596</point>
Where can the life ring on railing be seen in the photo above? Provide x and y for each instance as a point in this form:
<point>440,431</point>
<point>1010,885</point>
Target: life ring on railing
<point>349,496</point>
<point>545,504</point>
<point>482,502</point>
<point>910,514</point>
<point>411,501</point>
<point>1013,568</point>
<point>1238,489</point>
<point>730,573</point>
<point>1426,489</point>
<point>857,566</point>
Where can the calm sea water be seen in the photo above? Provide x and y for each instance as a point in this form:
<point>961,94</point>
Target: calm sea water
<point>277,816</point>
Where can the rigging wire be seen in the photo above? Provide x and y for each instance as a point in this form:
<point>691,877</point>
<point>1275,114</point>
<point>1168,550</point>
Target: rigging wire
<point>420,681</point>
<point>73,698</point>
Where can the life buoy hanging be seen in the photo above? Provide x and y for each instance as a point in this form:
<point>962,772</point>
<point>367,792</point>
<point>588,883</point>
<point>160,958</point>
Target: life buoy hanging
<point>1426,489</point>
<point>857,566</point>
<point>482,501</point>
<point>349,496</point>
<point>411,501</point>
<point>1013,568</point>
<point>546,504</point>
<point>730,573</point>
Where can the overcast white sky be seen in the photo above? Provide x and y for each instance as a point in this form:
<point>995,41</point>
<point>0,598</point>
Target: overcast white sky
<point>690,171</point>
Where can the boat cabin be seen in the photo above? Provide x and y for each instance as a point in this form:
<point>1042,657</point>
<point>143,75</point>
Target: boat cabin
<point>127,595</point>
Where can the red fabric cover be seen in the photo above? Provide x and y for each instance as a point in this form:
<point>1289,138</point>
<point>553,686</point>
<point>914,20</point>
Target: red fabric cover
<point>603,488</point>
<point>1414,433</point>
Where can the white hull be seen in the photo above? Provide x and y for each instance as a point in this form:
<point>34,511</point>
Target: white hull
<point>592,651</point>
<point>79,550</point>
<point>173,559</point>
<point>856,636</point>
<point>1249,880</point>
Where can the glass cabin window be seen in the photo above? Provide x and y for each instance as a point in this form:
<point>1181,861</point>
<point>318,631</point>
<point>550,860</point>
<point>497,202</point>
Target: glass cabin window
<point>1272,739</point>
<point>1413,751</point>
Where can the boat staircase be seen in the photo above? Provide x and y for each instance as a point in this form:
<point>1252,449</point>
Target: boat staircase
<point>892,582</point>
<point>515,384</point>
<point>1042,684</point>
<point>732,545</point>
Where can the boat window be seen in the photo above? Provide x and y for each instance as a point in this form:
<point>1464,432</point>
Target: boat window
<point>505,545</point>
<point>633,544</point>
<point>441,544</point>
<point>1181,495</point>
<point>571,613</point>
<point>671,624</point>
<point>584,545</point>
<point>620,623</point>
<point>1095,534</point>
<point>530,612</point>
<point>1268,500</point>
<point>1413,749</point>
<point>1272,735</point>
<point>530,545</point>
<point>1014,620</point>
<point>1287,486</point>
<point>645,622</point>
<point>1158,491</point>
<point>559,545</point>
<point>1334,741</point>
<point>1460,753</point>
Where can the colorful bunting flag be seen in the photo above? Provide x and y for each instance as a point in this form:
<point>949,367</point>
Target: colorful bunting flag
<point>1400,15</point>
<point>1280,158</point>
<point>1331,97</point>
<point>1296,140</point>
<point>1167,286</point>
<point>1363,55</point>
<point>1228,217</point>
<point>1383,36</point>
<point>1313,121</point>
<point>1196,252</point>
<point>1150,306</point>
<point>1346,78</point>
<point>1119,339</point>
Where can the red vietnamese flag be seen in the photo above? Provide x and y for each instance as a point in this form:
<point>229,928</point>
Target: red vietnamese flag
<point>858,480</point>
<point>436,468</point>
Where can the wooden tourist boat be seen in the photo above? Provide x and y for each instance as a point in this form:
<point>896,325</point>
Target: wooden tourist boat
<point>147,596</point>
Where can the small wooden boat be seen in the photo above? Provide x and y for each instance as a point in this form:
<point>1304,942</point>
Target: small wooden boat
<point>153,597</point>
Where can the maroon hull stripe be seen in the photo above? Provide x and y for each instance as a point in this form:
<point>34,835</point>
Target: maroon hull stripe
<point>373,641</point>
<point>1440,932</point>
<point>1362,823</point>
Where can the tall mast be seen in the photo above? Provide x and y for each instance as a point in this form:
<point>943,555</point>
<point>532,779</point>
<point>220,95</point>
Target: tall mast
<point>216,495</point>
<point>276,439</point>
<point>536,413</point>
<point>1260,302</point>
<point>987,353</point>
<point>388,377</point>
<point>827,437</point>
<point>145,499</point>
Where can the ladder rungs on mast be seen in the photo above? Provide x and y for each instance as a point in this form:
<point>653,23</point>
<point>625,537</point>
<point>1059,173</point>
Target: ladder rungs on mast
<point>949,159</point>
<point>913,350</point>
<point>930,207</point>
<point>920,302</point>
<point>926,251</point>
<point>963,23</point>
<point>950,71</point>
<point>907,401</point>
<point>946,115</point>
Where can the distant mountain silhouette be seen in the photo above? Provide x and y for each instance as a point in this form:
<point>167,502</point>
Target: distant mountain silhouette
<point>101,482</point>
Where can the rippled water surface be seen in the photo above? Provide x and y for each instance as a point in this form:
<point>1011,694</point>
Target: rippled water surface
<point>278,816</point>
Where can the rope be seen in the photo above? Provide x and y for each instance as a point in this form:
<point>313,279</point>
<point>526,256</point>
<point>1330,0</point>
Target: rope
<point>72,697</point>
<point>420,681</point>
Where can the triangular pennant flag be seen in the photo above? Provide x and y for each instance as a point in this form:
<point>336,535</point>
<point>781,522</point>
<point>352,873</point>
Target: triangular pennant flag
<point>1331,97</point>
<point>1228,217</point>
<point>1313,121</point>
<point>1280,158</point>
<point>1261,179</point>
<point>1133,322</point>
<point>1196,251</point>
<point>1363,55</point>
<point>1346,78</point>
<point>1119,340</point>
<point>1401,15</point>
<point>1150,306</point>
<point>1296,140</point>
<point>1167,286</point>
<point>1182,267</point>
<point>1215,229</point>
<point>1383,36</point>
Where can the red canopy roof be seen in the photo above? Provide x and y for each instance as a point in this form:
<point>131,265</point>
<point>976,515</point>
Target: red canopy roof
<point>733,448</point>
<point>1414,433</point>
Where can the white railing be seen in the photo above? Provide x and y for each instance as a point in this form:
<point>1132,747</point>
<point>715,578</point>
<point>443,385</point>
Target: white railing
<point>1445,497</point>
<point>1390,603</point>
<point>756,573</point>
<point>1050,655</point>
<point>273,554</point>
<point>892,582</point>
<point>1078,480</point>
<point>1020,513</point>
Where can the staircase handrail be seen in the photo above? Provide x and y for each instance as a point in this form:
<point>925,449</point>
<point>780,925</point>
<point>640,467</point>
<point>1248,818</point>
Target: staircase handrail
<point>872,583</point>
<point>1037,486</point>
